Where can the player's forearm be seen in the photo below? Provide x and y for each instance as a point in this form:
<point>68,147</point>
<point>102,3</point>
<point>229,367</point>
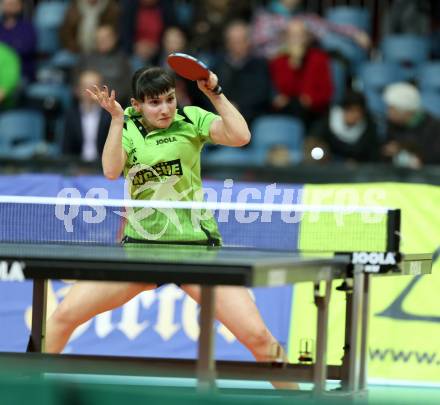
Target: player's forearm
<point>113,156</point>
<point>235,127</point>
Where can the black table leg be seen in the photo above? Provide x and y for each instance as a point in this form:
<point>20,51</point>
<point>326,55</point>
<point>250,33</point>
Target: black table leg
<point>354,360</point>
<point>39,305</point>
<point>206,372</point>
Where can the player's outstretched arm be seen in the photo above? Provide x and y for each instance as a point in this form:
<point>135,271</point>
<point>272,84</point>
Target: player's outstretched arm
<point>113,155</point>
<point>232,129</point>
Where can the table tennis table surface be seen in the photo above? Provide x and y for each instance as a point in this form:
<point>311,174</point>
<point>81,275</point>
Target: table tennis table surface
<point>212,265</point>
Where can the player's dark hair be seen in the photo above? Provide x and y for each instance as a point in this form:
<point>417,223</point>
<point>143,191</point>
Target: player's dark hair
<point>151,82</point>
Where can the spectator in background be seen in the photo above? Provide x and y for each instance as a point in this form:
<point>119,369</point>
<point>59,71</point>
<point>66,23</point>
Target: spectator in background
<point>142,25</point>
<point>9,75</point>
<point>407,17</point>
<point>111,61</point>
<point>86,124</point>
<point>301,76</point>
<point>83,17</point>
<point>270,23</point>
<point>413,134</point>
<point>19,34</point>
<point>435,32</point>
<point>210,19</point>
<point>288,8</point>
<point>278,155</point>
<point>347,132</point>
<point>174,40</point>
<point>244,77</point>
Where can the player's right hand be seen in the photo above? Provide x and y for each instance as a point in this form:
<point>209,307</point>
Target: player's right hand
<point>208,85</point>
<point>106,101</point>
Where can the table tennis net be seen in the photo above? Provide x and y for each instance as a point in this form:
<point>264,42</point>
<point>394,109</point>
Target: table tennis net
<point>289,227</point>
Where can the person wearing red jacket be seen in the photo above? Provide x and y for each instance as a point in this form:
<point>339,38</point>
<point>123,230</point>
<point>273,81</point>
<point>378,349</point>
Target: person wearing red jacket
<point>301,75</point>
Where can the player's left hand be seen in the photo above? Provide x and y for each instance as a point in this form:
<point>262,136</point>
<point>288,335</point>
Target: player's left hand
<point>207,86</point>
<point>106,100</point>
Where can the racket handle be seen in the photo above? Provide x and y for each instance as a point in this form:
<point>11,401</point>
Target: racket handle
<point>217,90</point>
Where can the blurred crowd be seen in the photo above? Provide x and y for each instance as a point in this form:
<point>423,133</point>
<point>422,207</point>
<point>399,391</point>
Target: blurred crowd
<point>315,84</point>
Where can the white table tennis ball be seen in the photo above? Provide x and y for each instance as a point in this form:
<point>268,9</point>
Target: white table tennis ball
<point>317,153</point>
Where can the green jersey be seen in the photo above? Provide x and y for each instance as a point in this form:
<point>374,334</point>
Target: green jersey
<point>164,164</point>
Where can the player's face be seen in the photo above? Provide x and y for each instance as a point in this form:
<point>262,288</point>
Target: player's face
<point>159,111</point>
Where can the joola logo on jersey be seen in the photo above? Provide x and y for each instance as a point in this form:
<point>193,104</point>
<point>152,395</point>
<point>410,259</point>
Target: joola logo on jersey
<point>13,272</point>
<point>170,168</point>
<point>166,140</point>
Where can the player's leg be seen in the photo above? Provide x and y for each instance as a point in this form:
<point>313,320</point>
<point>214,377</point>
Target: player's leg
<point>238,312</point>
<point>85,300</point>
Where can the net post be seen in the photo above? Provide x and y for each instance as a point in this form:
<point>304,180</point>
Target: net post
<point>393,230</point>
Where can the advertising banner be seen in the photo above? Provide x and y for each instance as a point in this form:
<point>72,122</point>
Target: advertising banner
<point>404,334</point>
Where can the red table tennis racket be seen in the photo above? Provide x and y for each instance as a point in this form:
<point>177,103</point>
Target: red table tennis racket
<point>190,68</point>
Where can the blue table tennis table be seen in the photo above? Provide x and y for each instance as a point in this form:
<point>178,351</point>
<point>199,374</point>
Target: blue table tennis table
<point>210,267</point>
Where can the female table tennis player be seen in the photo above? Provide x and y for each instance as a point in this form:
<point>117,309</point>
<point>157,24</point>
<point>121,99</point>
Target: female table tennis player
<point>152,134</point>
